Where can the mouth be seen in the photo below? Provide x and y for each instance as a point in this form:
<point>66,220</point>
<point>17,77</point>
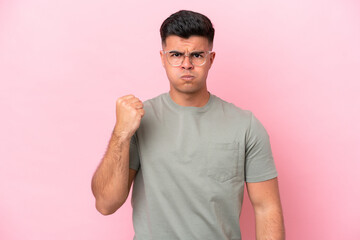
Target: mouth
<point>187,77</point>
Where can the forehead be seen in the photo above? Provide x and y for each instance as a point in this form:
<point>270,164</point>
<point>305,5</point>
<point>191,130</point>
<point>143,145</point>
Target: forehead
<point>186,44</point>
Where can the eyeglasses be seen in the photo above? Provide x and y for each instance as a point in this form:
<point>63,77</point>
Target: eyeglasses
<point>175,58</point>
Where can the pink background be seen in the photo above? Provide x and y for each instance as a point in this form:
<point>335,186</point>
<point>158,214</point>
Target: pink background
<point>295,64</point>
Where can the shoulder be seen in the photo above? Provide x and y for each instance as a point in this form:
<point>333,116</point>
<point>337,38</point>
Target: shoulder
<point>154,108</point>
<point>232,110</point>
<point>245,118</point>
<point>155,101</point>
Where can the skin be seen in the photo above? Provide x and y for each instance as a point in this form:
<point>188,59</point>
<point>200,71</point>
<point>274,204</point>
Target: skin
<point>113,178</point>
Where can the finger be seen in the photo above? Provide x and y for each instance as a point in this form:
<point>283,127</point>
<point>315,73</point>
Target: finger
<point>132,100</point>
<point>124,98</point>
<point>129,96</point>
<point>138,105</point>
<point>141,112</point>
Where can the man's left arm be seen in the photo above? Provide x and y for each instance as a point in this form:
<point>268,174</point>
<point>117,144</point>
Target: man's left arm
<point>265,198</point>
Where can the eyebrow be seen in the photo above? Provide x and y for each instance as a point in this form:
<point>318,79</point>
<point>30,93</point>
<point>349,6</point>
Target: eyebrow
<point>194,52</point>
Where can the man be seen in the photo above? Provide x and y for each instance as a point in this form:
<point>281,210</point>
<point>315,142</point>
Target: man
<point>189,152</point>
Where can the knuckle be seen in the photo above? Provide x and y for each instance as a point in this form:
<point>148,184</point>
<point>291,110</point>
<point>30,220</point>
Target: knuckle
<point>119,100</point>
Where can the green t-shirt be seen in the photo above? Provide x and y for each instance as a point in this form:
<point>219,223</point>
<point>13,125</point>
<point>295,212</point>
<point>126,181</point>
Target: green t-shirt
<point>192,163</point>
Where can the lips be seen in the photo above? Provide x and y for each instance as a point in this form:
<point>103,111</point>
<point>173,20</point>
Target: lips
<point>187,77</point>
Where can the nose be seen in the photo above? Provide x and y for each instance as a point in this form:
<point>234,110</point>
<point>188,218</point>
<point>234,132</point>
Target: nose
<point>186,64</point>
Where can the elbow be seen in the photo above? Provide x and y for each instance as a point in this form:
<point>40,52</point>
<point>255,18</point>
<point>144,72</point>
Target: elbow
<point>104,211</point>
<point>107,208</point>
<point>269,211</point>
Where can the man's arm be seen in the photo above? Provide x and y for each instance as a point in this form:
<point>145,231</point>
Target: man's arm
<point>113,178</point>
<point>265,199</point>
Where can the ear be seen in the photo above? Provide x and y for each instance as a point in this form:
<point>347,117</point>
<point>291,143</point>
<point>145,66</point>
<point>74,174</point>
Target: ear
<point>162,56</point>
<point>212,57</point>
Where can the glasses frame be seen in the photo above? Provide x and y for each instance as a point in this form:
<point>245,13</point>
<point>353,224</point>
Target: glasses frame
<point>187,55</point>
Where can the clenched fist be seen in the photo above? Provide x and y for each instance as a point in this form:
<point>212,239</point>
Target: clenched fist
<point>129,111</point>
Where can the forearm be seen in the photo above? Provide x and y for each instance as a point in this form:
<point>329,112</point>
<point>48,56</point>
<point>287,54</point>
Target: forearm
<point>110,181</point>
<point>270,224</point>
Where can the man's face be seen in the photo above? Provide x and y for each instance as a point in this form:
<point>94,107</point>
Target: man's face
<point>187,78</point>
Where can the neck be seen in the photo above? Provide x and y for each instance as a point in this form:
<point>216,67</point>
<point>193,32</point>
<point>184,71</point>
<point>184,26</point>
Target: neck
<point>198,99</point>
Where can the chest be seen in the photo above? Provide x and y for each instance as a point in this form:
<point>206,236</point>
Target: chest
<point>208,144</point>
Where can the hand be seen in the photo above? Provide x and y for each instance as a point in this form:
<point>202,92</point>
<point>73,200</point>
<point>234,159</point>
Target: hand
<point>129,111</point>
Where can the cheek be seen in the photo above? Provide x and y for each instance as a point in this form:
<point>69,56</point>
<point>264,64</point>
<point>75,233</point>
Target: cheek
<point>171,75</point>
<point>172,72</point>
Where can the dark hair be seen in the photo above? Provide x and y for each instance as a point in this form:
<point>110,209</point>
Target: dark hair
<point>186,24</point>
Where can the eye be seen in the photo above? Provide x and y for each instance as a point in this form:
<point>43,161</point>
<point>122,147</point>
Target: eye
<point>175,54</point>
<point>197,55</point>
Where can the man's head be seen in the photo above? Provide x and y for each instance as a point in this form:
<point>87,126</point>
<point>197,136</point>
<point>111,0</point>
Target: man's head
<point>187,40</point>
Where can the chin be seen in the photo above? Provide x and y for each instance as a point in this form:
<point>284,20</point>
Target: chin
<point>188,90</point>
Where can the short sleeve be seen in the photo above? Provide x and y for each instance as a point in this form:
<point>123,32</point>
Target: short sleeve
<point>134,159</point>
<point>259,162</point>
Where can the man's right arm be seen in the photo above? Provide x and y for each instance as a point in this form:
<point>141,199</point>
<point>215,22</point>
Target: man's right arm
<point>113,178</point>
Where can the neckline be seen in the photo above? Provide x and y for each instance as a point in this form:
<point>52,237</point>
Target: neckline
<point>189,108</point>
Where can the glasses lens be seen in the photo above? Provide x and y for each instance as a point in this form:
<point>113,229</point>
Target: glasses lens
<point>175,58</point>
<point>198,59</point>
